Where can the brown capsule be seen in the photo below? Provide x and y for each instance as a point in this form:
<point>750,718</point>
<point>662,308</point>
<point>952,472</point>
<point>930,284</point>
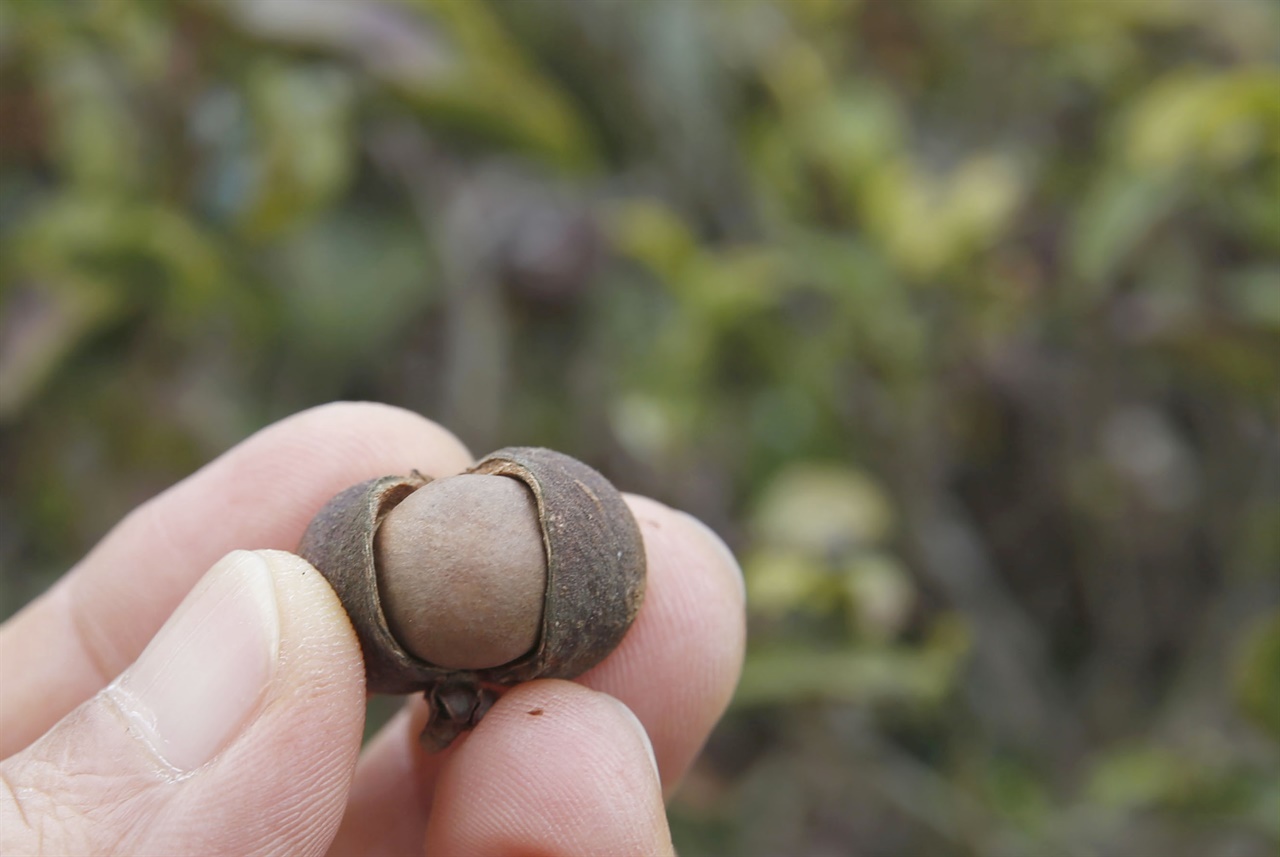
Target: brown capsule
<point>528,566</point>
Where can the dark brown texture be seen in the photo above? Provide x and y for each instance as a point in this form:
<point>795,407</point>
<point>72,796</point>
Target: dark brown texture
<point>339,542</point>
<point>595,563</point>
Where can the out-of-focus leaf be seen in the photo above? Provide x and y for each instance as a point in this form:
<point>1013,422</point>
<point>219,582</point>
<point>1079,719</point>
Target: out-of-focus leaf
<point>351,286</point>
<point>853,133</point>
<point>930,223</point>
<point>875,318</point>
<point>75,231</point>
<point>783,676</point>
<point>452,60</point>
<point>1263,808</point>
<point>39,327</point>
<point>1252,205</point>
<point>856,137</point>
<point>138,35</point>
<point>1017,792</point>
<point>1114,218</point>
<point>821,14</point>
<point>1255,294</point>
<point>303,156</point>
<point>1223,118</point>
<point>647,426</point>
<point>96,139</point>
<point>785,417</point>
<point>822,509</point>
<point>984,195</point>
<point>880,593</point>
<point>1257,675</point>
<point>498,90</point>
<point>713,290</point>
<point>1189,782</point>
<point>729,288</point>
<point>654,235</point>
<point>381,36</point>
<point>1138,777</point>
<point>796,74</point>
<point>780,581</point>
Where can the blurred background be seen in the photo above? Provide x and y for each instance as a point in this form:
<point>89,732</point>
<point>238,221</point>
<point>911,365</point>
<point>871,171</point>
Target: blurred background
<point>959,319</point>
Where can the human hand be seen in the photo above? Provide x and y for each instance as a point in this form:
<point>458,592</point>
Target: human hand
<point>237,728</point>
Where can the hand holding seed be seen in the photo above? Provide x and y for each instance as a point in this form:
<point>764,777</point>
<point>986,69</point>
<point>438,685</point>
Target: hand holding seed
<point>162,700</point>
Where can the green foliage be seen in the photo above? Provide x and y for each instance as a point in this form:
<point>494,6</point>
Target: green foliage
<point>1257,675</point>
<point>959,318</point>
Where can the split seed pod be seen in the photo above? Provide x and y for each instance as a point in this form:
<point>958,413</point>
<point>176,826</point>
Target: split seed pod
<point>467,545</point>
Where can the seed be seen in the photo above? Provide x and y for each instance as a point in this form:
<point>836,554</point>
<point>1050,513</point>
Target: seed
<point>462,571</point>
<point>529,565</point>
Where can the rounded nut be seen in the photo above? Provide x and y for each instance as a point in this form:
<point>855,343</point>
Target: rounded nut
<point>444,592</point>
<point>462,571</point>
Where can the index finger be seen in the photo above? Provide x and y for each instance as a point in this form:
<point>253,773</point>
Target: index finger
<point>69,643</point>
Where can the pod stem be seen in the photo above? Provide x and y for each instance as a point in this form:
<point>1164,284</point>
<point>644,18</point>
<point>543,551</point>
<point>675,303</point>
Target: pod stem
<point>457,705</point>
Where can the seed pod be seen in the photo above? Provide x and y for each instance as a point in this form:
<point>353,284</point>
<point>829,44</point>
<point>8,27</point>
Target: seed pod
<point>475,559</point>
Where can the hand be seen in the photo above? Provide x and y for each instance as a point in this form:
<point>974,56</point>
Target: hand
<point>141,715</point>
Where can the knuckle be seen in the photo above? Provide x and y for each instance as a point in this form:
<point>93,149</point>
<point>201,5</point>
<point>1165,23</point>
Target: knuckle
<point>32,821</point>
<point>49,808</point>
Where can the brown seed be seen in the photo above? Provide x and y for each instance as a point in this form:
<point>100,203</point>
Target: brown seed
<point>462,571</point>
<point>528,566</point>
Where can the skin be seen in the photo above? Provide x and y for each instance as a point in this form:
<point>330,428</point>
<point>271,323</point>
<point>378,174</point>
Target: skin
<point>462,571</point>
<point>290,777</point>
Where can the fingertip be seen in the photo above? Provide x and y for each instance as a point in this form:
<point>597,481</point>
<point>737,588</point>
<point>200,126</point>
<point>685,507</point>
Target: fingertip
<point>236,731</point>
<point>637,729</point>
<point>678,666</point>
<point>690,537</point>
<point>553,768</point>
<point>381,424</point>
<point>286,779</point>
<point>393,789</point>
<point>308,457</point>
<point>315,611</point>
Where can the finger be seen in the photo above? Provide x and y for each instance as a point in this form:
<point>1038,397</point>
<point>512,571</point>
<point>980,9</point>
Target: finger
<point>235,732</point>
<point>393,790</point>
<point>73,640</point>
<point>554,768</point>
<point>679,664</point>
<point>676,669</point>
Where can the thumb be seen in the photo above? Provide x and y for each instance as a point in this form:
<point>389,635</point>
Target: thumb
<point>235,732</point>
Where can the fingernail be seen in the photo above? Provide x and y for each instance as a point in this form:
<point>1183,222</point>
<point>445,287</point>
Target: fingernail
<point>203,676</point>
<point>640,730</point>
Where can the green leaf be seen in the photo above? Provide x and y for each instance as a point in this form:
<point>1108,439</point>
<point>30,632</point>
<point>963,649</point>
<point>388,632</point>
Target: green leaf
<point>303,155</point>
<point>651,233</point>
<point>786,675</point>
<point>47,322</point>
<point>1138,777</point>
<point>880,594</point>
<point>1115,217</point>
<point>822,508</point>
<point>780,581</point>
<point>351,285</point>
<point>1205,118</point>
<point>96,140</point>
<point>1256,675</point>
